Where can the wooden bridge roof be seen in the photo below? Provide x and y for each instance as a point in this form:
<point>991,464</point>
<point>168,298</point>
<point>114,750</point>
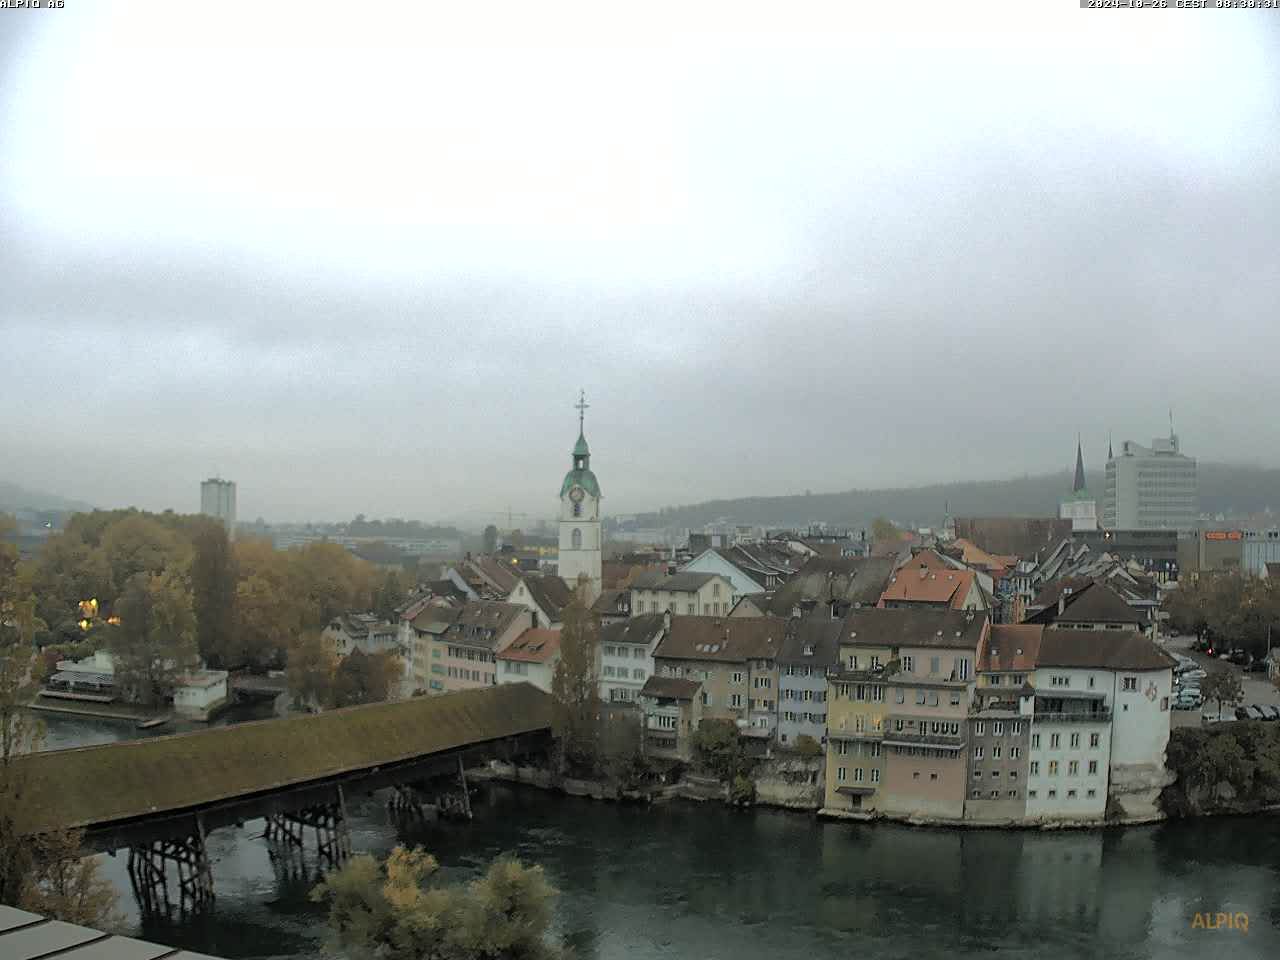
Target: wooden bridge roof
<point>96,785</point>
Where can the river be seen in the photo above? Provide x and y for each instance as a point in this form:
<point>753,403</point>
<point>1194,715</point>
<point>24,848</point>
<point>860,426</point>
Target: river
<point>703,881</point>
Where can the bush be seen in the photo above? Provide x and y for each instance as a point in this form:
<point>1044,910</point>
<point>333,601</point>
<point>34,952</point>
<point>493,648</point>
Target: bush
<point>807,747</point>
<point>718,748</point>
<point>1243,755</point>
<point>742,793</point>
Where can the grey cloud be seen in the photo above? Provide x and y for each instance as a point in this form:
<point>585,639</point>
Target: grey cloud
<point>956,308</point>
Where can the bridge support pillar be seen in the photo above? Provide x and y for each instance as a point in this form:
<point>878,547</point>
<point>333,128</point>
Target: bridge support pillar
<point>466,795</point>
<point>148,874</point>
<point>327,820</point>
<point>407,800</point>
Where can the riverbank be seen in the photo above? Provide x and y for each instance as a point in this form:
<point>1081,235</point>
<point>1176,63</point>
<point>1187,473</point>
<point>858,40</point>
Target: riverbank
<point>96,711</point>
<point>145,718</point>
<point>708,790</point>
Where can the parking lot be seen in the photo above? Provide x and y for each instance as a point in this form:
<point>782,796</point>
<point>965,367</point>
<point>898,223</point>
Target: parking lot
<point>1257,689</point>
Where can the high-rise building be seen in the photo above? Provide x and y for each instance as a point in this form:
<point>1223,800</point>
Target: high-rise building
<point>1151,488</point>
<point>218,499</point>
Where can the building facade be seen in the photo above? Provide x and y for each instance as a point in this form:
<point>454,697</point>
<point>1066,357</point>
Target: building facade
<point>741,583</point>
<point>670,711</point>
<point>458,650</point>
<point>734,660</point>
<point>811,648</point>
<point>530,658</point>
<point>626,655</point>
<point>686,594</point>
<point>218,499</point>
<point>1151,488</point>
<point>898,706</point>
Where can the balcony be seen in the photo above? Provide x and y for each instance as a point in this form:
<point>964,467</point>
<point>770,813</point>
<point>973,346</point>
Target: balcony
<point>1075,716</point>
<point>907,738</point>
<point>869,734</point>
<point>855,790</point>
<point>867,675</point>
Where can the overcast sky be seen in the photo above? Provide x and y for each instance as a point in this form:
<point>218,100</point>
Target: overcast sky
<point>361,259</point>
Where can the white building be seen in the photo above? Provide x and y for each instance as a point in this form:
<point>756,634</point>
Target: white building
<point>93,679</point>
<point>714,561</point>
<point>218,499</point>
<point>626,655</point>
<point>684,593</point>
<point>581,535</point>
<point>1100,726</point>
<point>1151,488</point>
<point>530,658</point>
<point>200,691</point>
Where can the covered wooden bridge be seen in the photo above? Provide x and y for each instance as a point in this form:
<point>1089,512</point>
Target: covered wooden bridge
<point>160,797</point>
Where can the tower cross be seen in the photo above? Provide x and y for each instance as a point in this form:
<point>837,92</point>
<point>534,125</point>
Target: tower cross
<point>581,407</point>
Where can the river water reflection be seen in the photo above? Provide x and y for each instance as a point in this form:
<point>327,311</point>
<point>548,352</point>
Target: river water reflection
<point>702,881</point>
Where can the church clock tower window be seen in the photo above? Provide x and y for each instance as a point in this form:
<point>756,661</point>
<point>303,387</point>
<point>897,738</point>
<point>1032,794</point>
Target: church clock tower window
<point>581,537</point>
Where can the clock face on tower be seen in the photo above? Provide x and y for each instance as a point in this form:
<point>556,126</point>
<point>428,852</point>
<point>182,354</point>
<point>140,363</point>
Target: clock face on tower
<point>576,494</point>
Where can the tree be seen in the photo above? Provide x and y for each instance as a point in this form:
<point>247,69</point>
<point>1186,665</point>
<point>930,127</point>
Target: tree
<point>1222,685</point>
<point>66,883</point>
<point>266,621</point>
<point>365,678</point>
<point>310,671</point>
<point>390,596</point>
<point>621,742</point>
<point>213,591</point>
<point>47,874</point>
<point>882,529</point>
<point>141,544</point>
<point>490,539</point>
<point>1235,609</point>
<point>574,687</point>
<point>719,749</point>
<point>155,642</point>
<point>1186,607</point>
<point>330,581</point>
<point>400,911</point>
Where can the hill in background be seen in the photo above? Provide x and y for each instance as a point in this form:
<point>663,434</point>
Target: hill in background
<point>1228,489</point>
<point>14,498</point>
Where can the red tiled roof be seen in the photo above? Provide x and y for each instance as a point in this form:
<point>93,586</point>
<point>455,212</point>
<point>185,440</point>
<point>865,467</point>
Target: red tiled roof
<point>1011,646</point>
<point>916,585</point>
<point>535,645</point>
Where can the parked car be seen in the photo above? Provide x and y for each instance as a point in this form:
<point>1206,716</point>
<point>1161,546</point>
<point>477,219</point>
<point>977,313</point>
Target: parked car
<point>1257,713</point>
<point>1239,656</point>
<point>1186,703</point>
<point>1273,712</point>
<point>1196,674</point>
<point>1242,713</point>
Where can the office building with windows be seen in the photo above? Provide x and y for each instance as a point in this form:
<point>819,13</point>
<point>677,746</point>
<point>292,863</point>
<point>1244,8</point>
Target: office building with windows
<point>1151,488</point>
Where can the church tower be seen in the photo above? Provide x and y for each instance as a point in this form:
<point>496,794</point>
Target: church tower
<point>1080,508</point>
<point>581,538</point>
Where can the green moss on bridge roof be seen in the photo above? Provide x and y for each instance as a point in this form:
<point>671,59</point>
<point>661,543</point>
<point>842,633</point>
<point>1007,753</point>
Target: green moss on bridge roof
<point>94,785</point>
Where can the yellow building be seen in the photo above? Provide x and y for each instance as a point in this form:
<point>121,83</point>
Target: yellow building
<point>896,711</point>
<point>857,705</point>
